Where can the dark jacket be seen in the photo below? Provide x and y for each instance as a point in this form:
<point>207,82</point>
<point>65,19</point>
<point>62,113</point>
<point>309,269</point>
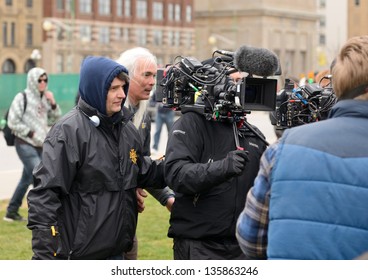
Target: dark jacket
<point>144,129</point>
<point>208,199</point>
<point>318,206</point>
<point>85,184</point>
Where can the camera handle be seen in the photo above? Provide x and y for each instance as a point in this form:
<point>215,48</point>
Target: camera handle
<point>255,132</point>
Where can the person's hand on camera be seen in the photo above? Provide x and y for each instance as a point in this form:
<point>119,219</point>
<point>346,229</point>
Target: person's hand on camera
<point>236,161</point>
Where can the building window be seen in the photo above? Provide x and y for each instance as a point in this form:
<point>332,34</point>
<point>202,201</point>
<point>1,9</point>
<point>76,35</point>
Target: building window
<point>173,38</point>
<point>289,61</point>
<point>177,12</point>
<point>160,61</point>
<point>126,35</point>
<point>322,22</point>
<point>142,9</point>
<point>103,7</point>
<point>85,6</point>
<point>60,33</point>
<point>157,37</point>
<point>188,41</point>
<point>29,34</point>
<point>5,33</point>
<point>119,8</point>
<point>170,12</point>
<point>158,11</point>
<point>188,14</point>
<point>60,5</point>
<point>177,39</point>
<point>12,34</point>
<point>141,37</point>
<point>69,6</point>
<point>170,38</point>
<point>9,2</point>
<point>29,3</point>
<point>357,2</point>
<point>127,8</point>
<point>30,63</point>
<point>322,4</point>
<point>322,39</point>
<point>118,33</point>
<point>8,66</point>
<point>59,63</point>
<point>85,33</point>
<point>104,35</point>
<point>69,63</point>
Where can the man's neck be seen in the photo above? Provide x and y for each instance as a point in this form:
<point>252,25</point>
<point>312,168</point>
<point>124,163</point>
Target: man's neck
<point>133,102</point>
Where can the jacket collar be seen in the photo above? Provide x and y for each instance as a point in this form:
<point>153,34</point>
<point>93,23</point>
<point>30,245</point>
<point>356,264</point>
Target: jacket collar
<point>123,116</point>
<point>350,108</point>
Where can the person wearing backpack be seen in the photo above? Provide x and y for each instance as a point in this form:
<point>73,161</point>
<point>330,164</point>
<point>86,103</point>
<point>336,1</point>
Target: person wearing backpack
<point>29,124</point>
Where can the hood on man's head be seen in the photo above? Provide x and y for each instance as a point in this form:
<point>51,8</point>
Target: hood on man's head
<point>32,78</point>
<point>96,76</point>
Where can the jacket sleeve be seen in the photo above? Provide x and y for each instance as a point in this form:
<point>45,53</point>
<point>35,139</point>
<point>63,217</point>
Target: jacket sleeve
<point>252,223</point>
<point>151,173</point>
<point>184,171</point>
<point>162,195</point>
<point>52,178</point>
<point>15,117</point>
<point>53,115</point>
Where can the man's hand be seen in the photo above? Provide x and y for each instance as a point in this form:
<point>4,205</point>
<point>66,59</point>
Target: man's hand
<point>141,195</point>
<point>236,161</point>
<point>170,202</point>
<point>50,97</point>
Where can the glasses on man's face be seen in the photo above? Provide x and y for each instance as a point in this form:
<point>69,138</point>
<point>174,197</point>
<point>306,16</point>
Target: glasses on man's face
<point>42,80</point>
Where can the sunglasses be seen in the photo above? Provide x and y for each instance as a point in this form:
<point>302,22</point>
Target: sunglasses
<point>42,80</point>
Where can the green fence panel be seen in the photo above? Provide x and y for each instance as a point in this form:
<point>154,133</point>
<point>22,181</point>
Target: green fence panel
<point>10,85</point>
<point>64,87</point>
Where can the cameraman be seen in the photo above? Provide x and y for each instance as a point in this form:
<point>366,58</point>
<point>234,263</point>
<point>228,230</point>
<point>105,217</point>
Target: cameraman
<point>211,178</point>
<point>310,197</point>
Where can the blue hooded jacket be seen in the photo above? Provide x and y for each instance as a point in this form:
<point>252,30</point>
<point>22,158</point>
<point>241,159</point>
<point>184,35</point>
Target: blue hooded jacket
<point>96,76</point>
<point>318,206</point>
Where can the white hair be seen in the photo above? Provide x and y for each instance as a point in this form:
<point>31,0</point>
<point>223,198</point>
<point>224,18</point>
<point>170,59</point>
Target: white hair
<point>129,59</point>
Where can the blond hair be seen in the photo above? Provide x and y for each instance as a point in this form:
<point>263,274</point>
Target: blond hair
<point>351,69</point>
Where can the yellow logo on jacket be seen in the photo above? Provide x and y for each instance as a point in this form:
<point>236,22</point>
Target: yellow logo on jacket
<point>133,156</point>
<point>143,125</point>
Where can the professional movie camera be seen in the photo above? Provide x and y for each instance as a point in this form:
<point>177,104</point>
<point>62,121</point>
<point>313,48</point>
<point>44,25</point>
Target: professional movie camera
<point>207,88</point>
<point>301,105</point>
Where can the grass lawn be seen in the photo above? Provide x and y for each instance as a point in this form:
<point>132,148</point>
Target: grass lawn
<point>153,243</point>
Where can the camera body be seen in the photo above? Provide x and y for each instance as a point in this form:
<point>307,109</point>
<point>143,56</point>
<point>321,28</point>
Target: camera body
<point>207,88</point>
<point>301,105</point>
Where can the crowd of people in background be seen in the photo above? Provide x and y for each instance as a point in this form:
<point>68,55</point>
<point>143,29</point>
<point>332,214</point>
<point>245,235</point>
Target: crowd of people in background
<point>302,197</point>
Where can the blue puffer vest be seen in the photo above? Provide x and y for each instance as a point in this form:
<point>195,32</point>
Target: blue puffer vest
<point>319,194</point>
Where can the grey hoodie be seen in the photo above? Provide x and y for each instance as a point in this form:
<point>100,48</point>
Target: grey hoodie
<point>38,111</point>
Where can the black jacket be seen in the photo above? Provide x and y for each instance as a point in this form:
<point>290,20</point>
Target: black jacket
<point>208,200</point>
<point>85,187</point>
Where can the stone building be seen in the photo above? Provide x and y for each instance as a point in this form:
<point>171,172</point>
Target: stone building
<point>60,33</point>
<point>21,35</point>
<point>286,27</point>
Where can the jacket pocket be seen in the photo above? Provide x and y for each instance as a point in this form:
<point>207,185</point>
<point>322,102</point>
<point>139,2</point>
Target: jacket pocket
<point>46,243</point>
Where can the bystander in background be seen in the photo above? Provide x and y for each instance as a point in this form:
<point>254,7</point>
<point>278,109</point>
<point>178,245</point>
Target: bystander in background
<point>163,116</point>
<point>30,128</point>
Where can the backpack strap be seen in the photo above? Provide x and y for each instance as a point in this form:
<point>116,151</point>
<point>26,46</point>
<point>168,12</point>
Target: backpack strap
<point>25,102</point>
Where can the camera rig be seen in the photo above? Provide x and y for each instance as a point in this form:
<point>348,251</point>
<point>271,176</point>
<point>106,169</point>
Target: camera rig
<point>207,88</point>
<point>301,105</point>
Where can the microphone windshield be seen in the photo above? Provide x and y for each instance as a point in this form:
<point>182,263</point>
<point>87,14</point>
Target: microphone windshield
<point>256,61</point>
